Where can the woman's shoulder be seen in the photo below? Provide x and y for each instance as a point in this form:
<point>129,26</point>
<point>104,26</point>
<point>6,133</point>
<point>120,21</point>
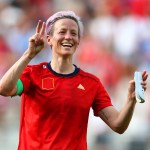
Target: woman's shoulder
<point>89,75</point>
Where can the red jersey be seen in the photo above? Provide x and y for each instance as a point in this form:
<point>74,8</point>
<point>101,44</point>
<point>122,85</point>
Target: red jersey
<point>55,108</point>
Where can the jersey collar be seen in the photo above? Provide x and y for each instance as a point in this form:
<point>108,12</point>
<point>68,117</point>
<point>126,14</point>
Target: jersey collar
<point>63,75</point>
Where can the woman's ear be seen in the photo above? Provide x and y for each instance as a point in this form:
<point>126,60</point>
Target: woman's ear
<point>49,40</point>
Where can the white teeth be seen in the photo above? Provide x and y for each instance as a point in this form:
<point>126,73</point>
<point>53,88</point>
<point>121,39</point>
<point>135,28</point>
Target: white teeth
<point>67,44</point>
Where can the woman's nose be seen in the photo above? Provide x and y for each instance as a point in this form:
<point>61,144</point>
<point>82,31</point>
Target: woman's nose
<point>68,36</point>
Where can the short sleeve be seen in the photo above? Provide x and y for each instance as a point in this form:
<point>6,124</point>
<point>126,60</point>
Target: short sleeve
<point>26,78</point>
<point>102,99</point>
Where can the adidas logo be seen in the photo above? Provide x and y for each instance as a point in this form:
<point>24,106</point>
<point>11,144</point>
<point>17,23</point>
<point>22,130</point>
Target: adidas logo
<point>80,86</point>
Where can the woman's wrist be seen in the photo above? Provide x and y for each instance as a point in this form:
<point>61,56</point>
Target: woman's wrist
<point>28,55</point>
<point>131,98</point>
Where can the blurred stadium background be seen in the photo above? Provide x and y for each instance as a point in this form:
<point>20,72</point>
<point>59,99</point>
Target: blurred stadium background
<point>116,42</point>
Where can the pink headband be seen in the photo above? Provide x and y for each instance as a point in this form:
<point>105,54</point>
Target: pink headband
<point>62,14</point>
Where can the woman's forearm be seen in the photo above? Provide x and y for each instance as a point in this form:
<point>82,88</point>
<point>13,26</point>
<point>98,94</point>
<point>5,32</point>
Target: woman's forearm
<point>118,120</point>
<point>125,116</point>
<point>9,80</point>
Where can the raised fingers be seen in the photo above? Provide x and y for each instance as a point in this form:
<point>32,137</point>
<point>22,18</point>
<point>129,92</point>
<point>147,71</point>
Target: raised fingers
<point>43,29</point>
<point>38,27</point>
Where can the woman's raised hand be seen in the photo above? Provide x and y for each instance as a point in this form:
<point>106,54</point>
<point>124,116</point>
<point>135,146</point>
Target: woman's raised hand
<point>131,89</point>
<point>36,42</point>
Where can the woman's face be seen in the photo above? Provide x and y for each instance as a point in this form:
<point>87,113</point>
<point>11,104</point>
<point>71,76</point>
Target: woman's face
<point>65,38</point>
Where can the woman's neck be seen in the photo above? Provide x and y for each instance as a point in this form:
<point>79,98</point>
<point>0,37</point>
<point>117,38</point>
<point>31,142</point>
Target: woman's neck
<point>62,66</point>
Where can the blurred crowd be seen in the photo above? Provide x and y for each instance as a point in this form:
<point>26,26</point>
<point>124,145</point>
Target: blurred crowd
<point>116,43</point>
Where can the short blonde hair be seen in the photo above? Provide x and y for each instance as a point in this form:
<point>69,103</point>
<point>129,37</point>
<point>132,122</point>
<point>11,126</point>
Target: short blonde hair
<point>60,15</point>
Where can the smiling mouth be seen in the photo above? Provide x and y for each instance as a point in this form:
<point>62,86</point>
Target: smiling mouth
<point>67,45</point>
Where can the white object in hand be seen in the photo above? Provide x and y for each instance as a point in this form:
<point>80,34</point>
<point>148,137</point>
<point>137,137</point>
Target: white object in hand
<point>139,91</point>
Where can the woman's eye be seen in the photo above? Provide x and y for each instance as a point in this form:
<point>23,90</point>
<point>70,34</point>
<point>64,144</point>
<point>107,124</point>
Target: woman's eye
<point>61,32</point>
<point>74,34</point>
